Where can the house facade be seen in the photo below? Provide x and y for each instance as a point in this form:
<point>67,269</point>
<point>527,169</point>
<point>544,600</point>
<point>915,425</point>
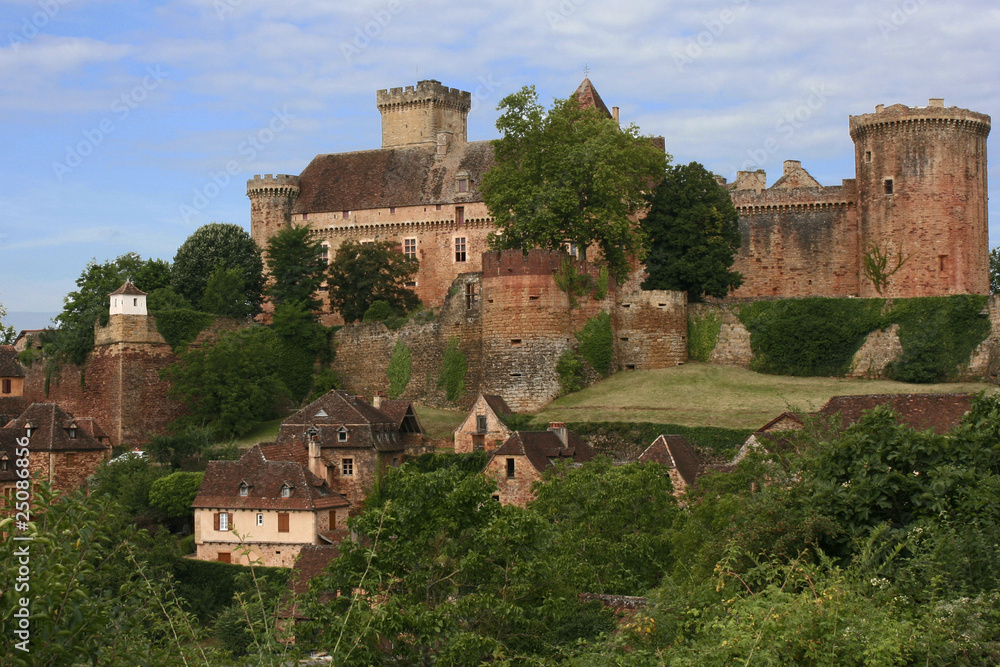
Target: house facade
<point>12,401</point>
<point>483,429</point>
<point>258,511</point>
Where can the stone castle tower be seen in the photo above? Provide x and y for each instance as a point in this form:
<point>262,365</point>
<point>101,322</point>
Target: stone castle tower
<point>426,115</point>
<point>922,191</point>
<point>271,202</point>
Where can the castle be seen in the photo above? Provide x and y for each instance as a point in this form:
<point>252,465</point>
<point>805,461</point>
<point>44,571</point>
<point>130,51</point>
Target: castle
<point>919,193</point>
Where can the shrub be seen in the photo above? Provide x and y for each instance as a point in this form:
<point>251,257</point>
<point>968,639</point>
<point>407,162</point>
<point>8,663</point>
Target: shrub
<point>451,376</point>
<point>571,374</point>
<point>938,334</point>
<point>379,311</point>
<point>399,368</point>
<point>703,335</point>
<point>597,342</point>
<point>180,326</point>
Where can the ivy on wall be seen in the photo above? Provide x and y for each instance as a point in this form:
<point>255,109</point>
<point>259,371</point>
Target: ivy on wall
<point>399,368</point>
<point>703,335</point>
<point>597,342</point>
<point>451,376</point>
<point>180,326</point>
<point>938,335</point>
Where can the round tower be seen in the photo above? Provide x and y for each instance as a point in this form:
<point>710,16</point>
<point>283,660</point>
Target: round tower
<point>271,202</point>
<point>922,198</point>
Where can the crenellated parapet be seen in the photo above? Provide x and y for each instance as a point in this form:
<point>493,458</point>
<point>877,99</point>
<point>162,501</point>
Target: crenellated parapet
<point>425,92</point>
<point>269,186</point>
<point>271,202</point>
<point>900,117</point>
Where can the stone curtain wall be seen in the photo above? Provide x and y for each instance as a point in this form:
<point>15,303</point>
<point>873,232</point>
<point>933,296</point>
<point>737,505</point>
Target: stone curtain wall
<point>650,327</point>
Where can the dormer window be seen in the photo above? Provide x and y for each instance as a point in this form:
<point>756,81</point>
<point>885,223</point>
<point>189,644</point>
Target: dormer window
<point>72,430</point>
<point>4,463</point>
<point>286,491</point>
<point>341,434</point>
<point>462,181</point>
<point>313,434</point>
<point>244,489</point>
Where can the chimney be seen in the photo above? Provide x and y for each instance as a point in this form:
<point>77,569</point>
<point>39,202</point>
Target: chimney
<point>879,108</point>
<point>614,114</point>
<point>559,428</point>
<point>789,166</point>
<point>316,464</point>
<point>377,399</point>
<point>936,103</point>
<point>443,140</point>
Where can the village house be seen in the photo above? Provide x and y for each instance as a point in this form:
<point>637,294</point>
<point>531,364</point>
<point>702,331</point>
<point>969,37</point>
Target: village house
<point>259,511</point>
<point>940,412</point>
<point>12,401</point>
<point>63,450</point>
<point>675,453</point>
<point>774,431</point>
<point>347,441</point>
<point>483,429</point>
<point>526,455</point>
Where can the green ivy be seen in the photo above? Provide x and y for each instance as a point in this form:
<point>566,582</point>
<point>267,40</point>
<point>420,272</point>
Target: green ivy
<point>451,376</point>
<point>703,335</point>
<point>570,371</point>
<point>597,343</point>
<point>180,326</point>
<point>938,335</point>
<point>399,368</point>
<point>601,286</point>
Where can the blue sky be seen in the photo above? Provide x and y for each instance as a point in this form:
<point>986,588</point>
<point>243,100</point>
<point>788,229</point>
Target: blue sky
<point>119,119</point>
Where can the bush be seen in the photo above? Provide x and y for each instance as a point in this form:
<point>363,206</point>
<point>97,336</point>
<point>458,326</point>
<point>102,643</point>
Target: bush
<point>597,343</point>
<point>180,326</point>
<point>571,374</point>
<point>451,376</point>
<point>398,371</point>
<point>379,311</point>
<point>938,335</point>
<point>703,335</point>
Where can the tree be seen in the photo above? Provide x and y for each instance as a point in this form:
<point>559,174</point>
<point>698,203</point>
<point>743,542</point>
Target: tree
<point>177,449</point>
<point>174,493</point>
<point>995,271</point>
<point>363,273</point>
<point>226,294</point>
<point>211,246</point>
<point>7,332</point>
<point>232,384</point>
<point>693,235</point>
<point>297,267</point>
<point>569,174</point>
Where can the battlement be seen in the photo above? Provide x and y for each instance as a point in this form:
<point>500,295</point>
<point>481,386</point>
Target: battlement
<point>424,92</point>
<point>268,184</point>
<point>935,114</point>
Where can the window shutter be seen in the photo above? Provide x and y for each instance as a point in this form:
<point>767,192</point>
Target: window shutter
<point>333,519</point>
<point>283,522</point>
<point>216,518</point>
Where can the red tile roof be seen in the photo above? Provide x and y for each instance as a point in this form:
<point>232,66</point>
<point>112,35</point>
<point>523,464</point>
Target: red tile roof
<point>129,289</point>
<point>675,452</point>
<point>10,367</point>
<point>497,405</point>
<point>940,412</point>
<point>51,427</point>
<point>220,488</point>
<point>403,414</point>
<point>544,448</point>
<point>588,98</point>
<point>365,425</point>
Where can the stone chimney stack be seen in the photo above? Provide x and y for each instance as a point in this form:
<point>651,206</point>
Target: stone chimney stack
<point>559,428</point>
<point>377,399</point>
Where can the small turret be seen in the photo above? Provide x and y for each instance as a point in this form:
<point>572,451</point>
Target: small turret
<point>128,300</point>
<point>271,202</point>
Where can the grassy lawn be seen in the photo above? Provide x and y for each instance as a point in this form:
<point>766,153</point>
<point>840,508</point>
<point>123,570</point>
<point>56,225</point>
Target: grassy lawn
<point>438,424</point>
<point>698,394</point>
<point>263,432</point>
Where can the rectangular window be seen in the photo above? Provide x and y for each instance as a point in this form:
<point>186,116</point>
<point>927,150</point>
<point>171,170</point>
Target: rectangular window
<point>6,386</point>
<point>437,207</point>
<point>868,156</point>
<point>224,557</point>
<point>222,521</point>
<point>459,248</point>
<point>260,519</point>
<point>392,210</point>
<point>888,186</point>
<point>395,461</point>
<point>325,254</point>
<point>410,248</point>
<point>510,468</point>
<point>411,284</point>
<point>478,442</point>
<point>942,263</point>
<point>481,423</point>
<point>463,185</point>
<point>283,522</point>
<point>70,458</point>
<point>347,214</point>
<point>470,296</point>
<point>341,436</point>
<point>347,467</point>
<point>460,215</point>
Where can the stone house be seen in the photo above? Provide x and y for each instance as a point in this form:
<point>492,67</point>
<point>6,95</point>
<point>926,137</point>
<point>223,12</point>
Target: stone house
<point>255,509</point>
<point>677,454</point>
<point>526,455</point>
<point>12,402</point>
<point>483,428</point>
<point>346,441</point>
<point>940,412</point>
<point>63,450</point>
<point>770,433</point>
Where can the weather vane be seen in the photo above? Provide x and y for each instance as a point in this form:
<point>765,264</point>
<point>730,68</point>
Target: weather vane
<point>586,71</point>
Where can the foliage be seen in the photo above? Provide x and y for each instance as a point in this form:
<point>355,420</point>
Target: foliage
<point>938,334</point>
<point>995,271</point>
<point>703,335</point>
<point>569,370</point>
<point>568,174</point>
<point>180,449</point>
<point>879,267</point>
<point>226,294</point>
<point>128,483</point>
<point>174,493</point>
<point>297,267</point>
<point>814,336</point>
<point>398,370</point>
<point>693,235</point>
<point>7,332</point>
<point>377,312</point>
<point>90,304</point>
<point>471,463</point>
<point>303,342</point>
<point>451,375</point>
<point>574,283</point>
<point>324,381</point>
<point>181,326</point>
<point>361,274</point>
<point>626,440</point>
<point>597,342</point>
<point>165,298</point>
<point>517,421</point>
<point>231,384</point>
<point>213,246</point>
<point>209,587</point>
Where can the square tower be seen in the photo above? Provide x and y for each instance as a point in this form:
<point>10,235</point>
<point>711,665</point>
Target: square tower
<point>425,115</point>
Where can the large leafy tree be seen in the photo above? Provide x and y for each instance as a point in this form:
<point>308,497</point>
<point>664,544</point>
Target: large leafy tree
<point>569,174</point>
<point>693,235</point>
<point>214,246</point>
<point>363,273</point>
<point>90,302</point>
<point>297,267</point>
<point>7,333</point>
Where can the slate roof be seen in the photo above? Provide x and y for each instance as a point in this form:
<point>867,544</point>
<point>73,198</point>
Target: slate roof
<point>386,177</point>
<point>497,404</point>
<point>128,289</point>
<point>312,560</point>
<point>675,452</point>
<point>8,450</point>
<point>366,425</point>
<point>940,412</point>
<point>220,488</point>
<point>10,367</point>
<point>403,414</point>
<point>51,429</point>
<point>544,448</point>
<point>588,97</point>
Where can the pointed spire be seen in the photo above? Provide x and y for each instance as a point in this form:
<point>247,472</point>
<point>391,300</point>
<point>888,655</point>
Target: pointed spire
<point>588,98</point>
